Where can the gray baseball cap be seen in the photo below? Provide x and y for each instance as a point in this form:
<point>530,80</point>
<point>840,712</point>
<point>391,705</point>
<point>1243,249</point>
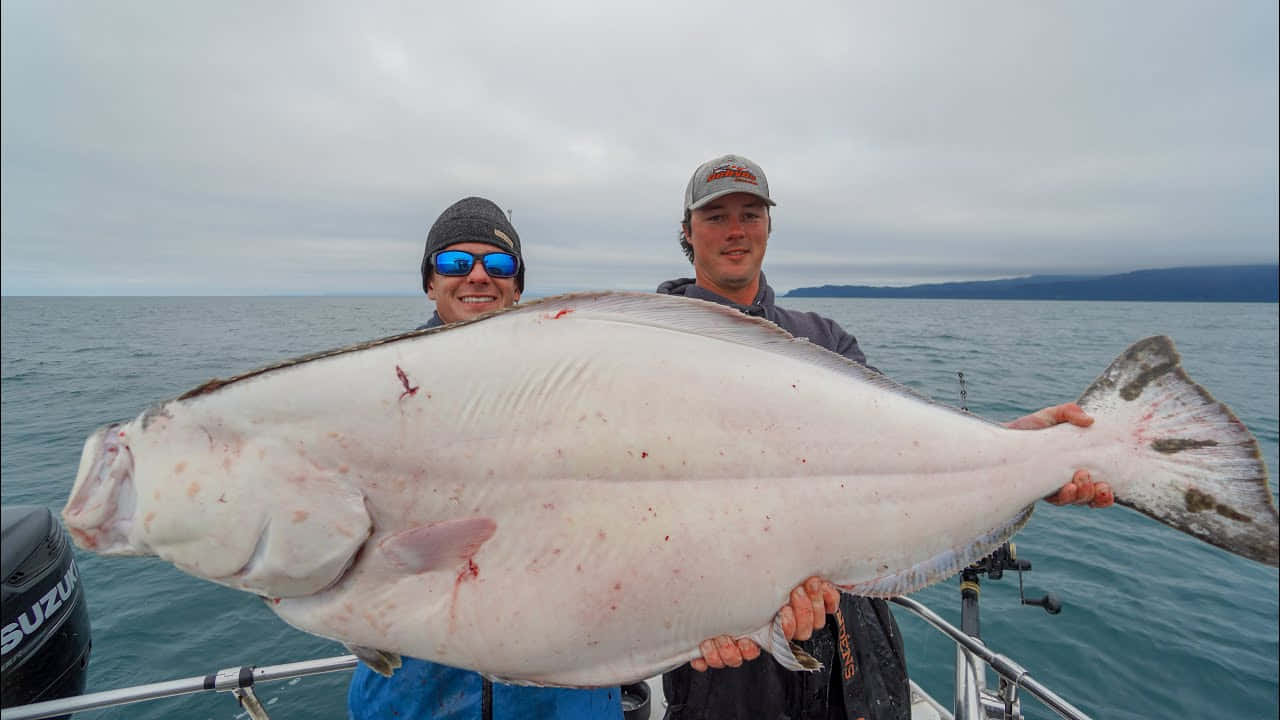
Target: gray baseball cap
<point>722,176</point>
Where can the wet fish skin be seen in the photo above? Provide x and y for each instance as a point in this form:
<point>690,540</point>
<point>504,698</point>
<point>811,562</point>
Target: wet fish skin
<point>577,491</point>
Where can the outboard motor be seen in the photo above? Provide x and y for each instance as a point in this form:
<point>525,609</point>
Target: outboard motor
<point>44,618</point>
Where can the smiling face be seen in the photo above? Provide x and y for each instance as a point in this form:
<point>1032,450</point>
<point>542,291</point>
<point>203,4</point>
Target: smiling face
<point>729,236</point>
<point>465,297</point>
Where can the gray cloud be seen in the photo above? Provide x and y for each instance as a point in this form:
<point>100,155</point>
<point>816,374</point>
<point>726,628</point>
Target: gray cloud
<point>166,148</point>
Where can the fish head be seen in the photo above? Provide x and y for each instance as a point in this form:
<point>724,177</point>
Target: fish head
<point>99,513</point>
<point>270,526</point>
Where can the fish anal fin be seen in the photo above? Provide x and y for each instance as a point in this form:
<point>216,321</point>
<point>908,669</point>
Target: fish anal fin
<point>788,654</point>
<point>438,546</point>
<point>380,661</point>
<point>942,565</point>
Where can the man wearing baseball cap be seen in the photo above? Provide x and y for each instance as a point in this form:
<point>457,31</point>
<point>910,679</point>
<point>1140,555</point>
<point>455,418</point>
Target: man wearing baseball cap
<point>724,233</point>
<point>471,265</point>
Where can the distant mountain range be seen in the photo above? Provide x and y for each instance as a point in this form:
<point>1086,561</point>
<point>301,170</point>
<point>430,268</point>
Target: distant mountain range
<point>1210,283</point>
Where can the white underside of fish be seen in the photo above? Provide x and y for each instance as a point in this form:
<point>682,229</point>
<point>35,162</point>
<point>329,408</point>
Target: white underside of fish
<point>578,492</point>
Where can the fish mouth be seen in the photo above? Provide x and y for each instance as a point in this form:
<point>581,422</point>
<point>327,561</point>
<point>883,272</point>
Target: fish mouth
<point>99,512</point>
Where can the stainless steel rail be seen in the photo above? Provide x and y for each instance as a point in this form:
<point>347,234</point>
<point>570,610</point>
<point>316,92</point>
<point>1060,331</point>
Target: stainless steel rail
<point>969,699</point>
<point>1003,666</point>
<point>226,680</point>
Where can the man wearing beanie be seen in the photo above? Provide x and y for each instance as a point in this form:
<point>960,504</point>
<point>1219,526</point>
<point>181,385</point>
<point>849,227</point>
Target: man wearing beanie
<point>724,232</point>
<point>476,227</point>
<point>471,265</point>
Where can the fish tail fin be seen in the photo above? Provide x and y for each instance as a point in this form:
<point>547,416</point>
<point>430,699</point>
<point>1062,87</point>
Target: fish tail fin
<point>1197,467</point>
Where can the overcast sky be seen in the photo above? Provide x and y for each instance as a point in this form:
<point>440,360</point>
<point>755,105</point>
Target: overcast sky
<point>158,148</point>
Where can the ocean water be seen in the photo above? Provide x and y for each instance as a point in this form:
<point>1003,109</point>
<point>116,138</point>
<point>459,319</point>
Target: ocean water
<point>1155,624</point>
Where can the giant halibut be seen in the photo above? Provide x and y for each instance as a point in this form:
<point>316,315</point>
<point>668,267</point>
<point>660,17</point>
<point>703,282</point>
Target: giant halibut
<point>578,490</point>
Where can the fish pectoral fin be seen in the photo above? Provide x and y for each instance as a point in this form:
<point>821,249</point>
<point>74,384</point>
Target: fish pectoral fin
<point>380,661</point>
<point>789,655</point>
<point>438,546</point>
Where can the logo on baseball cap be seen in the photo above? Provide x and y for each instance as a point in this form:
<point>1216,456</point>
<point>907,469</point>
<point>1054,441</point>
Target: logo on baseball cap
<point>722,176</point>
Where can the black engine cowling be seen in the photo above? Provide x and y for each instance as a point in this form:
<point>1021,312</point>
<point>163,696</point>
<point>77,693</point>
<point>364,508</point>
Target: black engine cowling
<point>44,618</point>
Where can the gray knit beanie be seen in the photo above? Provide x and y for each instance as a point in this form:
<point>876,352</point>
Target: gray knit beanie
<point>472,219</point>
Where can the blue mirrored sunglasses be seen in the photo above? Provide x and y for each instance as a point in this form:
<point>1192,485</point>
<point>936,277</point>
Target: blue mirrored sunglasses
<point>455,263</point>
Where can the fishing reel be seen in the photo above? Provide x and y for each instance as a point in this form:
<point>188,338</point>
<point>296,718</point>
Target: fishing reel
<point>993,566</point>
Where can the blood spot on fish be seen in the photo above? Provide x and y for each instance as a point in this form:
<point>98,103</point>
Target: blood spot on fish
<point>644,454</point>
<point>601,534</point>
<point>192,489</point>
<point>665,539</point>
<point>300,515</point>
<point>560,314</point>
<point>222,498</point>
<point>275,601</point>
<point>548,506</point>
<point>614,606</point>
<point>617,586</point>
<point>343,469</point>
<point>177,469</point>
<point>579,568</point>
<point>404,380</point>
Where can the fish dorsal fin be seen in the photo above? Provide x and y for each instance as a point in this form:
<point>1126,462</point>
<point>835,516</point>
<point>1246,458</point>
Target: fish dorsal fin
<point>672,312</point>
<point>708,319</point>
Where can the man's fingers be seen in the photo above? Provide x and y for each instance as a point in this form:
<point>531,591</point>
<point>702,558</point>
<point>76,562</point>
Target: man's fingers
<point>698,664</point>
<point>1082,490</point>
<point>802,606</point>
<point>788,620</point>
<point>748,649</point>
<point>813,588</point>
<point>1103,496</point>
<point>1065,495</point>
<point>729,653</point>
<point>1050,416</point>
<point>711,654</point>
<point>1074,414</point>
<point>830,597</point>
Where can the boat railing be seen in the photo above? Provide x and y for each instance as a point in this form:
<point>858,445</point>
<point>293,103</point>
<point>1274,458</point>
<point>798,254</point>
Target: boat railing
<point>238,681</point>
<point>972,700</point>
